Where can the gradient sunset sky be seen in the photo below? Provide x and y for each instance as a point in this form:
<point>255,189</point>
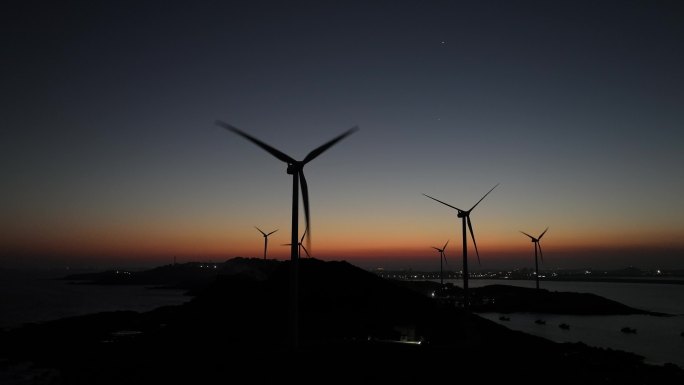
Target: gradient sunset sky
<point>110,155</point>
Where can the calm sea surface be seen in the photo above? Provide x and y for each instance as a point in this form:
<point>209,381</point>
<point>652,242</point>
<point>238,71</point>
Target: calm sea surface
<point>658,339</point>
<point>36,297</point>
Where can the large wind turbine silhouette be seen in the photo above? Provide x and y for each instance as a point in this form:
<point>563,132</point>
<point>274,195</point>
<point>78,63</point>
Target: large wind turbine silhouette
<point>465,219</point>
<point>296,169</point>
<point>537,245</point>
<point>265,238</point>
<point>442,259</point>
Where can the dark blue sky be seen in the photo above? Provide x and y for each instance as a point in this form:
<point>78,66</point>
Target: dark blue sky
<point>109,146</point>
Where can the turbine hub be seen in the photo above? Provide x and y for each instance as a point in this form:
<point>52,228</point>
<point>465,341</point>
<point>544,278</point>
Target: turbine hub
<point>461,214</point>
<point>293,167</point>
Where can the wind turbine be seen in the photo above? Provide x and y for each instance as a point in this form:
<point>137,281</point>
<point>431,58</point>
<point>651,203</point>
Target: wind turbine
<point>465,219</point>
<point>301,246</point>
<point>537,245</point>
<point>265,238</point>
<point>442,258</point>
<point>296,169</point>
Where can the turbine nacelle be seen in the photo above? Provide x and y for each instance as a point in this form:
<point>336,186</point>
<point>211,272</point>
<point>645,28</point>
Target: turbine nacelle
<point>294,167</point>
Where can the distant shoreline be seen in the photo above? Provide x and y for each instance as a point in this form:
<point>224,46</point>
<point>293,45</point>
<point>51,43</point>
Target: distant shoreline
<point>677,281</point>
<point>617,280</point>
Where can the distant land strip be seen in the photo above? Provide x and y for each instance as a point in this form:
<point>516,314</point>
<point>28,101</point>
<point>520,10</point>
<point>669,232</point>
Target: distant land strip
<point>617,280</point>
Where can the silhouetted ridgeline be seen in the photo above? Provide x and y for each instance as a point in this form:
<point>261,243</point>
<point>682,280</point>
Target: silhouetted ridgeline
<point>191,275</point>
<point>355,328</point>
<point>509,299</point>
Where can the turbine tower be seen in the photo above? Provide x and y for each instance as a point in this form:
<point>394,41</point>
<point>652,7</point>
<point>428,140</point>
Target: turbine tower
<point>465,219</point>
<point>537,245</point>
<point>296,169</point>
<point>265,238</point>
<point>442,259</point>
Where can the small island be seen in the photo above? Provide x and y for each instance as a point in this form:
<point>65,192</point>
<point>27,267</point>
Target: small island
<point>511,299</point>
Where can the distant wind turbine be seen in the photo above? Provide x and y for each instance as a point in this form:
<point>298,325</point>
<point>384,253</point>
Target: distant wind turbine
<point>537,245</point>
<point>442,259</point>
<point>296,169</point>
<point>465,218</point>
<point>301,246</point>
<point>265,238</point>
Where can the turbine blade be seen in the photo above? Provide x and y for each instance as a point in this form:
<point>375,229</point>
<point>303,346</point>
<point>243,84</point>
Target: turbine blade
<point>278,154</point>
<point>318,151</point>
<point>478,202</point>
<point>472,235</point>
<point>285,244</point>
<point>303,235</point>
<point>540,252</point>
<point>446,204</point>
<point>445,245</point>
<point>305,198</point>
<point>306,251</point>
<point>437,249</point>
<point>542,234</point>
<point>444,256</point>
<point>272,232</point>
<point>260,231</point>
<point>527,234</point>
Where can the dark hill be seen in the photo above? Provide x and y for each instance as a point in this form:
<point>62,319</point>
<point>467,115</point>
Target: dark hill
<point>353,325</point>
<point>510,299</point>
<point>190,275</point>
<point>507,299</point>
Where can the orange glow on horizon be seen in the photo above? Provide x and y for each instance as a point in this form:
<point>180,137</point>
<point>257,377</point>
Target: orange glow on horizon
<point>162,241</point>
<point>205,247</point>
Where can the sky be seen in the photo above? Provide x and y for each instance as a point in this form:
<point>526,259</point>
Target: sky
<point>110,156</point>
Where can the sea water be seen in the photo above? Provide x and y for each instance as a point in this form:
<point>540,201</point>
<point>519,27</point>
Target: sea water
<point>41,296</point>
<point>658,339</point>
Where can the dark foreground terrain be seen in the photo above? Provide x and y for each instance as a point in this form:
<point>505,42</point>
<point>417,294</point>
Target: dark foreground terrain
<point>354,328</point>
